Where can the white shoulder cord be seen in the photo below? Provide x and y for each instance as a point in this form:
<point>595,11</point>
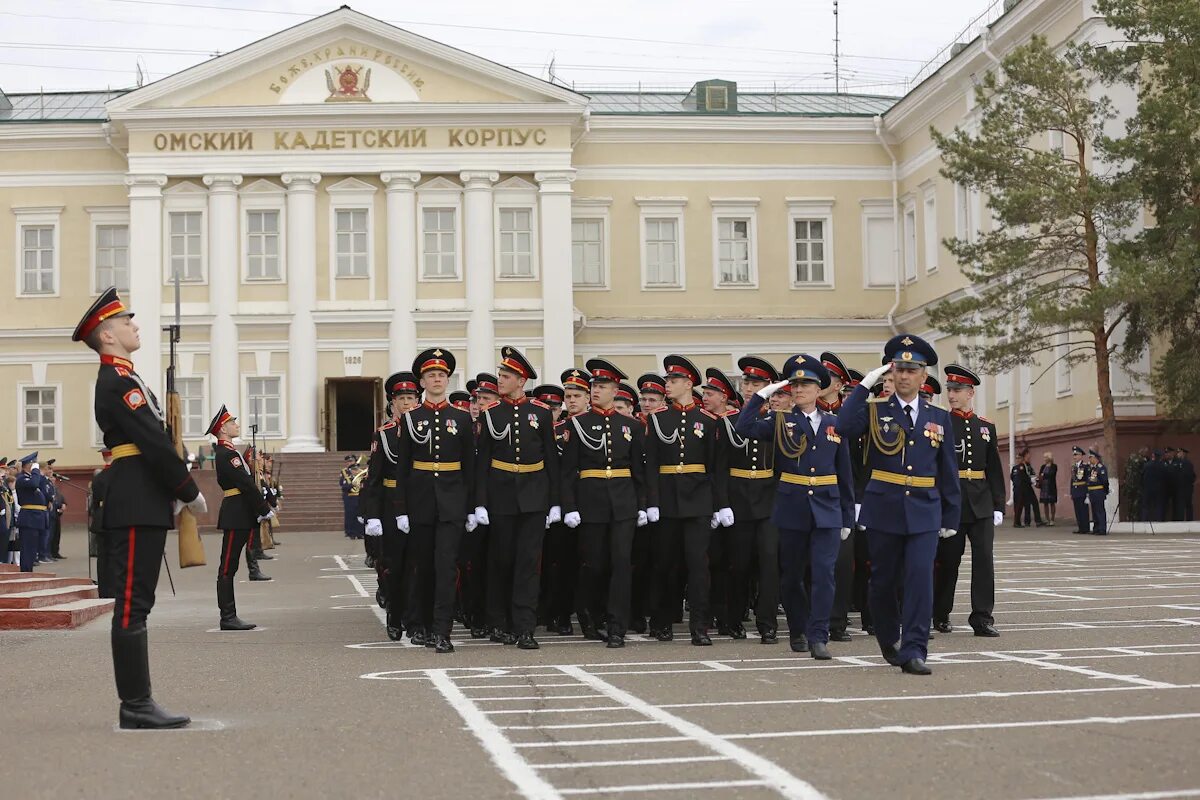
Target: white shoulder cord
<point>421,439</point>
<point>588,441</point>
<point>497,435</point>
<point>658,431</point>
<point>737,441</point>
<point>387,451</point>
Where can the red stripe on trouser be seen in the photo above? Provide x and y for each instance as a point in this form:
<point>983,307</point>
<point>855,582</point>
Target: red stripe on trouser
<point>129,579</point>
<point>228,550</point>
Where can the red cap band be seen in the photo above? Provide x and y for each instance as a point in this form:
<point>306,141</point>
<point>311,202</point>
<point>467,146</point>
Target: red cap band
<point>757,373</point>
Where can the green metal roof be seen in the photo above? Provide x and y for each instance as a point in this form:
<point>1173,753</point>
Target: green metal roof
<point>814,104</point>
<point>59,106</point>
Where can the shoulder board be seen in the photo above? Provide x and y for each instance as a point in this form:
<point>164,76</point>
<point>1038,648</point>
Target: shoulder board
<point>984,419</point>
<point>538,403</point>
<point>708,413</point>
<point>389,424</point>
<point>228,446</point>
<point>659,410</point>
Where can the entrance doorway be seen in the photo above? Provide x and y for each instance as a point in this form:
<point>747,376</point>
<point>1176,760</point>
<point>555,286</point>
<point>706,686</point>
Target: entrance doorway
<point>352,406</point>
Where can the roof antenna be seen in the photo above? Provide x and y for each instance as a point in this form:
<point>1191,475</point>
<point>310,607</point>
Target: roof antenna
<point>141,75</point>
<point>837,82</point>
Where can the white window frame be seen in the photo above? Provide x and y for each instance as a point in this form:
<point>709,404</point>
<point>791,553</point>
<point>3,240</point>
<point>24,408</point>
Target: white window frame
<point>265,196</point>
<point>38,217</point>
<point>351,194</point>
<point>908,238</point>
<point>1004,397</point>
<point>184,198</point>
<point>735,208</point>
<point>1063,379</point>
<point>440,196</point>
<point>966,213</point>
<point>59,422</point>
<point>247,418</point>
<point>204,416</point>
<point>877,208</point>
<point>518,196</point>
<point>497,235</point>
<point>594,208</point>
<point>818,209</point>
<point>933,245</point>
<point>105,216</point>
<point>662,208</point>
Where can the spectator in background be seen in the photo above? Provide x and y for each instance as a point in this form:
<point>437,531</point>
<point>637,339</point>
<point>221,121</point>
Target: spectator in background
<point>1025,502</point>
<point>1153,495</point>
<point>1188,484</point>
<point>1047,483</point>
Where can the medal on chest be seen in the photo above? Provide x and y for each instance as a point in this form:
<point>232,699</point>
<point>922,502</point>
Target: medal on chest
<point>934,433</point>
<point>628,434</point>
<point>452,427</point>
<point>533,421</point>
<point>985,434</point>
<point>886,424</point>
<point>698,430</point>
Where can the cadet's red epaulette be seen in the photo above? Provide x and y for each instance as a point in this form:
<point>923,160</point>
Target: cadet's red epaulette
<point>708,413</point>
<point>985,419</point>
<point>124,373</point>
<point>391,423</point>
<point>538,403</point>
<point>656,410</point>
<point>559,424</point>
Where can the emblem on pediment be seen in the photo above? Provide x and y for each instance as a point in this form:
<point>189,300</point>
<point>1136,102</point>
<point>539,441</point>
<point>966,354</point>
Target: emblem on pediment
<point>348,83</point>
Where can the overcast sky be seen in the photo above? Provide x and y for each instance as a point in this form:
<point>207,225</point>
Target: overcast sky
<point>56,45</point>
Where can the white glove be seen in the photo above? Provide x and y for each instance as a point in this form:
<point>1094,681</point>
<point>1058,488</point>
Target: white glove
<point>946,533</point>
<point>642,521</point>
<point>481,516</point>
<point>725,517</point>
<point>715,521</point>
<point>997,517</point>
<point>360,519</point>
<point>402,523</point>
<point>199,505</point>
<point>554,516</point>
<point>652,513</point>
<point>857,510</point>
<point>770,389</point>
<point>572,520</point>
<point>472,522</point>
<point>267,516</point>
<point>874,375</point>
<point>374,528</point>
<point>845,534</point>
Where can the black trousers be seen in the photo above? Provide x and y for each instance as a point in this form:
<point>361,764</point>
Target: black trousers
<point>55,533</point>
<point>862,574</point>
<point>104,578</point>
<point>472,576</point>
<point>432,572</point>
<point>391,576</point>
<point>693,536</point>
<point>720,549</point>
<point>135,557</point>
<point>639,599</point>
<point>559,571</point>
<point>843,578</point>
<point>1082,516</point>
<point>514,557</point>
<point>232,543</point>
<point>606,572</point>
<point>754,546</point>
<point>982,534</point>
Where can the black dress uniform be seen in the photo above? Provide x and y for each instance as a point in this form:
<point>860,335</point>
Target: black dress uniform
<point>145,479</point>
<point>517,485</point>
<point>843,571</point>
<point>981,477</point>
<point>1097,493</point>
<point>434,489</point>
<point>643,537</point>
<point>603,489</point>
<point>560,568</point>
<point>686,479</point>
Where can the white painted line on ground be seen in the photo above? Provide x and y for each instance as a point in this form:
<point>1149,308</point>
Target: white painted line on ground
<point>1168,795</point>
<point>579,725</point>
<point>577,710</point>
<point>1091,673</point>
<point>982,726</point>
<point>717,666</point>
<point>771,773</point>
<point>531,697</point>
<point>662,787</point>
<point>603,742</point>
<point>631,762</point>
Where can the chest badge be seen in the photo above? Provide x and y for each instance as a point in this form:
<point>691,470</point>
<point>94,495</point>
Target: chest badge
<point>533,421</point>
<point>452,427</point>
<point>985,434</point>
<point>628,434</point>
<point>698,430</point>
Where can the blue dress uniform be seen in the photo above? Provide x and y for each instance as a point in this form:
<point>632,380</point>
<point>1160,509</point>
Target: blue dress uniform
<point>34,514</point>
<point>843,571</point>
<point>1079,491</point>
<point>912,493</point>
<point>813,502</point>
<point>350,524</point>
<point>1097,493</point>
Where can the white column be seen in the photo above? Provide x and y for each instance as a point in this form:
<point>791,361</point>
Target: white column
<point>558,302</point>
<point>223,277</point>
<point>402,266</point>
<point>480,269</point>
<point>146,274</point>
<point>302,299</point>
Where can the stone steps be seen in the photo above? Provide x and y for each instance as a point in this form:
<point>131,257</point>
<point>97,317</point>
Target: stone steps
<point>63,616</point>
<point>32,601</point>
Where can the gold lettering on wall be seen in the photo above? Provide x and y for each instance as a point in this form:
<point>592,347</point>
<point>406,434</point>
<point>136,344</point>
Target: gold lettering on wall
<point>322,55</point>
<point>353,139</point>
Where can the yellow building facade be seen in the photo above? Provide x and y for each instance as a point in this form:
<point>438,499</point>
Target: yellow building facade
<point>344,193</point>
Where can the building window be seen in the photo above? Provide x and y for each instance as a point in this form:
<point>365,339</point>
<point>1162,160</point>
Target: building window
<point>910,243</point>
<point>733,252</point>
<point>879,244</point>
<point>262,245</point>
<point>112,257</point>
<point>39,415</point>
<point>265,405</point>
<point>350,247</point>
<point>37,259</point>
<point>587,252</point>
<point>1003,389</point>
<point>191,398</point>
<point>516,242</point>
<point>932,244</point>
<point>1062,366</point>
<point>186,245</point>
<point>440,238</point>
<point>808,251</point>
<point>662,252</point>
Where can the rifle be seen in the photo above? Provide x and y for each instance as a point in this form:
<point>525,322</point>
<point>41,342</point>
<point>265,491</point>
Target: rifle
<point>264,528</point>
<point>191,551</point>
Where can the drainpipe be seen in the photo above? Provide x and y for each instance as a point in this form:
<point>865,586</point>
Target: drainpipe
<point>891,314</point>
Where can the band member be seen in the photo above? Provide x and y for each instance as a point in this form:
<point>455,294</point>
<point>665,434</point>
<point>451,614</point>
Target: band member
<point>911,499</point>
<point>434,487</point>
<point>829,402</point>
<point>981,477</point>
<point>603,478</point>
<point>686,476</point>
<point>242,510</point>
<point>814,502</point>
<point>516,493</point>
<point>147,477</point>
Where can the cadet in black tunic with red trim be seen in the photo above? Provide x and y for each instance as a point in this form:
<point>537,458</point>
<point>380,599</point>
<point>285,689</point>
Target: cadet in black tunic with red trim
<point>243,508</point>
<point>146,476</point>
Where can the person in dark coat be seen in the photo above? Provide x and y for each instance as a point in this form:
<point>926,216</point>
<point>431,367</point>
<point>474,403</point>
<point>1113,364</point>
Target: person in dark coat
<point>1047,486</point>
<point>1188,484</point>
<point>1153,495</point>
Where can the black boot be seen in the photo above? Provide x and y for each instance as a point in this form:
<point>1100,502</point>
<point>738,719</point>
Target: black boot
<point>261,554</point>
<point>228,607</point>
<point>131,666</point>
<point>395,630</point>
<point>256,574</point>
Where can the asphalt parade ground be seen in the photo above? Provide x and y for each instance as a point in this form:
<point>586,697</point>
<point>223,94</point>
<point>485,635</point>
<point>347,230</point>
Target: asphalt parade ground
<point>1092,691</point>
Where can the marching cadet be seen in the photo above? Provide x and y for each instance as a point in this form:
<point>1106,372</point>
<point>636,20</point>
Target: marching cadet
<point>434,487</point>
<point>814,502</point>
<point>1097,491</point>
<point>603,492</point>
<point>551,396</point>
<point>981,478</point>
<point>516,493</point>
<point>930,390</point>
<point>487,390</point>
<point>830,402</point>
<point>146,478</point>
<point>626,400</point>
<point>912,497</point>
<point>242,510</point>
<point>1079,491</point>
<point>461,400</point>
<point>686,477</point>
<point>720,400</point>
<point>862,558</point>
<point>33,515</point>
<point>652,394</point>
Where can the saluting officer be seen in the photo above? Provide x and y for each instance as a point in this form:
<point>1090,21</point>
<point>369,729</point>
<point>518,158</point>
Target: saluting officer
<point>242,510</point>
<point>686,477</point>
<point>516,493</point>
<point>814,502</point>
<point>434,490</point>
<point>1079,490</point>
<point>1097,492</point>
<point>34,515</point>
<point>603,487</point>
<point>981,478</point>
<point>911,499</point>
<point>146,478</point>
<point>830,402</point>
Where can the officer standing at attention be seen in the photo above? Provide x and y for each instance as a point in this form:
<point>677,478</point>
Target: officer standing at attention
<point>1079,470</point>
<point>911,498</point>
<point>981,479</point>
<point>1097,492</point>
<point>146,478</point>
<point>814,503</point>
<point>516,493</point>
<point>242,510</point>
<point>34,512</point>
